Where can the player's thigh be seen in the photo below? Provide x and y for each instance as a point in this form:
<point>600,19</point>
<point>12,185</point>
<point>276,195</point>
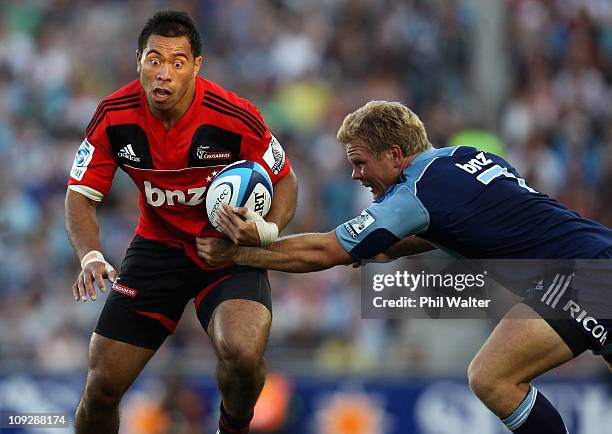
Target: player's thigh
<point>149,295</point>
<point>236,311</point>
<point>240,329</point>
<point>577,305</point>
<point>522,347</point>
<point>113,367</point>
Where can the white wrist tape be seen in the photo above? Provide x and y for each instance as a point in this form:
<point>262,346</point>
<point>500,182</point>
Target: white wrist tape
<point>268,232</point>
<point>95,256</point>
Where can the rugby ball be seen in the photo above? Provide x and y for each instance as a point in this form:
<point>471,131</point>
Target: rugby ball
<point>243,183</point>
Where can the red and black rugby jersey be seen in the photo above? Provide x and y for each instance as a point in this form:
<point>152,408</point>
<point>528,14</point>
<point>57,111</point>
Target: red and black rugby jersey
<point>172,168</point>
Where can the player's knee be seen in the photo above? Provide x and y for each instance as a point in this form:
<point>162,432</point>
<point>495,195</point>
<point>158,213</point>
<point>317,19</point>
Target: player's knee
<point>482,382</point>
<point>240,357</point>
<point>100,393</point>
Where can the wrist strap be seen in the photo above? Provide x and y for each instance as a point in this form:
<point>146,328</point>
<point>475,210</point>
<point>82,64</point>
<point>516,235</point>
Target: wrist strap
<point>95,256</point>
<point>92,256</point>
<point>268,232</point>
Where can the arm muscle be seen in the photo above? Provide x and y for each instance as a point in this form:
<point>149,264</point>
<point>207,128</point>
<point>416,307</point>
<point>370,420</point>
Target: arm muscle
<point>81,223</point>
<point>297,253</point>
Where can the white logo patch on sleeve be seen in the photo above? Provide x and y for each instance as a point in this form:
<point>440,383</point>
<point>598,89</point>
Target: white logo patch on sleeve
<point>359,224</point>
<point>275,156</point>
<point>81,160</point>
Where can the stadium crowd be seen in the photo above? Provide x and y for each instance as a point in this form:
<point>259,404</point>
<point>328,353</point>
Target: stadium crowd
<point>305,64</point>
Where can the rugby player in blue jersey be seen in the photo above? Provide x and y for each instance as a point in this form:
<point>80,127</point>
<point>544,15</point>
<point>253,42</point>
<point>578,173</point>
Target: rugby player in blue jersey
<point>468,202</point>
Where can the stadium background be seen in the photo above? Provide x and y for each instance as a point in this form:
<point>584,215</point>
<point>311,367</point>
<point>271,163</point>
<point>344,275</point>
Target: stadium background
<point>532,78</point>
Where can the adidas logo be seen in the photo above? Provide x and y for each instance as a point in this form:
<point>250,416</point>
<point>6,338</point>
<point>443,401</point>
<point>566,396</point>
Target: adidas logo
<point>128,153</point>
<point>556,290</point>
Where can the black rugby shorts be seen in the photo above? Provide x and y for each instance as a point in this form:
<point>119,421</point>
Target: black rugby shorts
<point>577,304</point>
<point>155,283</point>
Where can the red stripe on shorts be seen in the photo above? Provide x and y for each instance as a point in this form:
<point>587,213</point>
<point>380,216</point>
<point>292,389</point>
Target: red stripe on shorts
<point>208,289</point>
<point>166,322</point>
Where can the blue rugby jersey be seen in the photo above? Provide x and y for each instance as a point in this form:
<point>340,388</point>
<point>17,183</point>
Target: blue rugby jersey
<point>473,204</point>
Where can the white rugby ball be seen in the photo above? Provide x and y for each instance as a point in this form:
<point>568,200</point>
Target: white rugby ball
<point>243,183</point>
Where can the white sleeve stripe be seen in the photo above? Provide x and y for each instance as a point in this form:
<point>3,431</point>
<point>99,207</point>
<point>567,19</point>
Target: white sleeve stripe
<point>91,193</point>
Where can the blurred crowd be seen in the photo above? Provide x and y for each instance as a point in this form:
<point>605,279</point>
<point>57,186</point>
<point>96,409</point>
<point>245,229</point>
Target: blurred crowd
<point>306,64</point>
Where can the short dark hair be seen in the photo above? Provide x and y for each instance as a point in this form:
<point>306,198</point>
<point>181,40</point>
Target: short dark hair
<point>171,24</point>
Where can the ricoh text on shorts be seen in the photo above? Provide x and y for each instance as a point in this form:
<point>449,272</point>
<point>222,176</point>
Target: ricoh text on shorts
<point>577,303</point>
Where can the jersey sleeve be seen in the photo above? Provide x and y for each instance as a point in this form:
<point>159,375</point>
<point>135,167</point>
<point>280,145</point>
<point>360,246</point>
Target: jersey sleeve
<point>383,223</point>
<point>93,167</point>
<point>265,149</point>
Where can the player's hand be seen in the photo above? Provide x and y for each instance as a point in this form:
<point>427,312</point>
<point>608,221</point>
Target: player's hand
<point>233,223</point>
<point>216,251</point>
<point>93,272</point>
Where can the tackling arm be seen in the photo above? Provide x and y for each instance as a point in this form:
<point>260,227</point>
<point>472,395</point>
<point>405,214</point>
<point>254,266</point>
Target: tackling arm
<point>408,246</point>
<point>295,253</point>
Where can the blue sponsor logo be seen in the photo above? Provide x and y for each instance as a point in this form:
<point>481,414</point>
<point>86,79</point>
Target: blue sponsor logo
<point>81,156</point>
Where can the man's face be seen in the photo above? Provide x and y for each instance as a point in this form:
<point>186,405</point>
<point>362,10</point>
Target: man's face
<point>167,72</point>
<point>375,173</point>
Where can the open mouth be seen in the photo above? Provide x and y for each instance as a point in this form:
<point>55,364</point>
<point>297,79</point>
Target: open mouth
<point>160,94</point>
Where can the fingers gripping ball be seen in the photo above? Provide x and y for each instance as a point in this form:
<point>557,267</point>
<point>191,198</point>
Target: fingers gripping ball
<point>243,183</point>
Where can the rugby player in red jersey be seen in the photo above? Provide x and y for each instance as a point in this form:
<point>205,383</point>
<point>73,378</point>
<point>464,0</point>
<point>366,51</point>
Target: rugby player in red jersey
<point>171,132</point>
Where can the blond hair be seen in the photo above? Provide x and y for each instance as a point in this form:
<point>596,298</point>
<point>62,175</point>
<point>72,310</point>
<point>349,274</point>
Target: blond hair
<point>380,124</point>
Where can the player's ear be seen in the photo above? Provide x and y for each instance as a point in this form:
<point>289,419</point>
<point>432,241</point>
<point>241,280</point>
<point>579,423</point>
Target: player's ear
<point>138,56</point>
<point>197,64</point>
<point>396,154</point>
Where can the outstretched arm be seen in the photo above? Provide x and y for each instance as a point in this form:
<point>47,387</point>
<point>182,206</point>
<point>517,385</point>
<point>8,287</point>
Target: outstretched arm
<point>408,246</point>
<point>295,253</point>
<point>411,245</point>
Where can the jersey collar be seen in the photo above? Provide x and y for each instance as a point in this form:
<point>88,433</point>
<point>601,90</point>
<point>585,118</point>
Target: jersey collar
<point>403,176</point>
